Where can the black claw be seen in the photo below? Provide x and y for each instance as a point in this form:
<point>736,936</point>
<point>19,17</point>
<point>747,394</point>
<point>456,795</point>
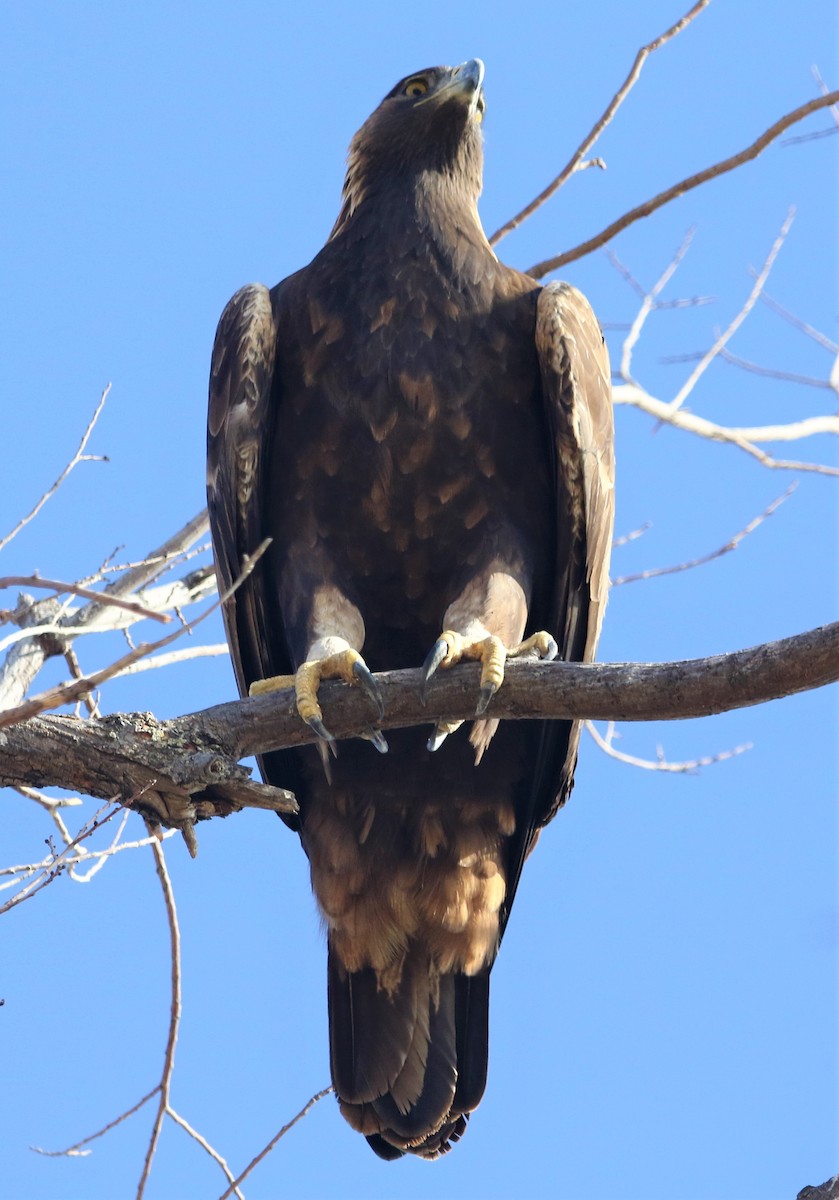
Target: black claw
<point>484,697</point>
<point>369,686</point>
<point>320,729</point>
<point>377,739</point>
<point>436,740</point>
<point>432,661</point>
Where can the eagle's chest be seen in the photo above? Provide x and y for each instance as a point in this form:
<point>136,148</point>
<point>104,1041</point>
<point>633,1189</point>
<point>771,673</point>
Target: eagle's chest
<point>411,451</point>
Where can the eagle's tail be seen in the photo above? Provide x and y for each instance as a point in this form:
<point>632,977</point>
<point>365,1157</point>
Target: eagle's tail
<point>408,1064</point>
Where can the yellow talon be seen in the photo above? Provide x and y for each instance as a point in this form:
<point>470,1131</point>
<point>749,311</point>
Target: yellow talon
<point>346,664</point>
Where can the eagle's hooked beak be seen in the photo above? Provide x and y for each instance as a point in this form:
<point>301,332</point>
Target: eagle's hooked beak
<point>467,81</point>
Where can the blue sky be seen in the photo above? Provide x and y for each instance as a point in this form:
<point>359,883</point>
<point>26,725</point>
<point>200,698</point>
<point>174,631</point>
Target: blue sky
<point>663,1021</point>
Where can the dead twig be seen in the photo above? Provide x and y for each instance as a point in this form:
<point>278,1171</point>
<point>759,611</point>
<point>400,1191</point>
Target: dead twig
<point>632,536</point>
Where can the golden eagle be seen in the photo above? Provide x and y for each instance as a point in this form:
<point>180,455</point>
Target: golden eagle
<point>426,437</point>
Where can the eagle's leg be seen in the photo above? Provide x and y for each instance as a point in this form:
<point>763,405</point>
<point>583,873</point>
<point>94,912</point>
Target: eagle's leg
<point>485,623</point>
<point>334,625</point>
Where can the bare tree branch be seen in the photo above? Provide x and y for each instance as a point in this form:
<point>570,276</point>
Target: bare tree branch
<point>685,185</point>
<point>575,163</point>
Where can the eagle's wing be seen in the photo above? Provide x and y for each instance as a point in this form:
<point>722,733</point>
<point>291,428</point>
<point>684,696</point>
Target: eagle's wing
<point>238,432</point>
<point>576,391</point>
<point>576,386</point>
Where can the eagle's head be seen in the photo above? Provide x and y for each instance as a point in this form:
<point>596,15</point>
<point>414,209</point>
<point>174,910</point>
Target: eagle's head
<point>426,131</point>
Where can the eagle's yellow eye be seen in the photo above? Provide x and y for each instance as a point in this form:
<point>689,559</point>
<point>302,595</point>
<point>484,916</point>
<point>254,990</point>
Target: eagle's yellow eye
<point>416,87</point>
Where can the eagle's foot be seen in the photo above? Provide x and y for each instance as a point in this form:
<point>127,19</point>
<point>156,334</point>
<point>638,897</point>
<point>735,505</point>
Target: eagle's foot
<point>452,647</point>
<point>345,664</point>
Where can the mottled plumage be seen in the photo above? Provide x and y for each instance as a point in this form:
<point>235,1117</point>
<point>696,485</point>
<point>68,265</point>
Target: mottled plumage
<point>426,436</point>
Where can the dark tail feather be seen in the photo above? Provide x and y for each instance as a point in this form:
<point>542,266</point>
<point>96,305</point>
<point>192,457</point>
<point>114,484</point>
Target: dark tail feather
<point>409,1066</point>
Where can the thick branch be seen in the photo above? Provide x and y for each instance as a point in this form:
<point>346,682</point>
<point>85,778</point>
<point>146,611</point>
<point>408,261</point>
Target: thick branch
<point>185,769</point>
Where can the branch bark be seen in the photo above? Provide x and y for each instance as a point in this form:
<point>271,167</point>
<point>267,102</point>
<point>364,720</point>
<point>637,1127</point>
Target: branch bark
<point>185,769</point>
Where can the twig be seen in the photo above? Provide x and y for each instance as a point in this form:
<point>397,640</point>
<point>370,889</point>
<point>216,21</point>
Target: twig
<point>76,1149</point>
<point>205,1145</point>
<point>307,1107</point>
<point>49,802</point>
<point>685,185</point>
<point>815,334</point>
<point>103,856</point>
<point>834,112</point>
<point>78,457</point>
<point>731,544</point>
<point>174,1010</point>
<point>660,763</point>
<point>700,368</point>
<point>650,301</point>
<point>754,368</point>
<point>632,536</point>
<point>575,162</point>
